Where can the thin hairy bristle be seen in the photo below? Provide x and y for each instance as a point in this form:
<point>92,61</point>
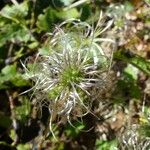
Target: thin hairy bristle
<point>76,65</point>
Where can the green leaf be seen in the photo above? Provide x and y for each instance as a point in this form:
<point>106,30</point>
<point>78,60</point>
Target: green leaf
<point>106,145</point>
<point>127,86</point>
<point>47,20</point>
<point>74,131</point>
<point>131,70</point>
<point>9,71</point>
<point>86,12</point>
<point>71,13</point>
<point>14,33</point>
<point>137,61</point>
<point>13,24</point>
<point>44,51</point>
<point>23,111</point>
<point>10,74</point>
<point>19,80</point>
<point>23,147</point>
<point>6,145</point>
<point>33,45</point>
<point>15,12</point>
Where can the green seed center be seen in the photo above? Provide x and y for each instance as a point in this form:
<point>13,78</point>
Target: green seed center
<point>71,75</point>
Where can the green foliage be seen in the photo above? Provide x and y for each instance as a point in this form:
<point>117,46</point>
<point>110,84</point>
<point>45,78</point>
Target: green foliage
<point>23,147</point>
<point>74,131</point>
<point>144,130</point>
<point>130,79</point>
<point>135,60</point>
<point>10,74</point>
<point>86,12</point>
<point>15,13</point>
<point>47,20</point>
<point>132,71</point>
<point>22,112</point>
<point>106,145</point>
<point>145,122</point>
<point>127,86</point>
<point>6,145</point>
<point>147,1</point>
<point>13,24</point>
<point>14,33</point>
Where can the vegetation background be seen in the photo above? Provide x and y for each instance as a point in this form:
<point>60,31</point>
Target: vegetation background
<point>124,122</point>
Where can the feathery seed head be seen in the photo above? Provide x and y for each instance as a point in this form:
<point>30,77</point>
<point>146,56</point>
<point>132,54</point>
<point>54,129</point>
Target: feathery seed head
<point>75,67</point>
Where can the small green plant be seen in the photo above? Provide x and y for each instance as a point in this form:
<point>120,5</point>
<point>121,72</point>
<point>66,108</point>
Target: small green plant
<point>76,66</point>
